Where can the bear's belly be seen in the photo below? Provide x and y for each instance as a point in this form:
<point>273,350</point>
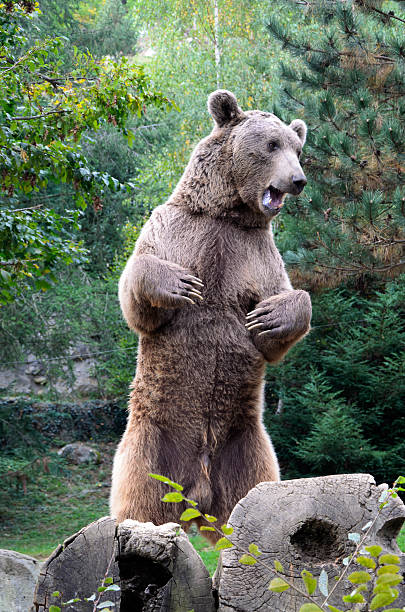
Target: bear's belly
<point>204,371</point>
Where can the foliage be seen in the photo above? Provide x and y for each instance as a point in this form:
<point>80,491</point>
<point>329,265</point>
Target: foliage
<point>112,31</point>
<point>374,583</point>
<point>349,222</point>
<point>335,404</point>
<point>43,115</point>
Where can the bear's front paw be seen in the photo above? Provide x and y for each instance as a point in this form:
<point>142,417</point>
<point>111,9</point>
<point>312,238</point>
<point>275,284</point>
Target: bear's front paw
<point>284,317</point>
<point>174,287</point>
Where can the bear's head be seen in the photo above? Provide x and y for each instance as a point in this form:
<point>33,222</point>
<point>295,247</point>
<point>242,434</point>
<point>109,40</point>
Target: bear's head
<point>265,152</point>
<point>246,166</point>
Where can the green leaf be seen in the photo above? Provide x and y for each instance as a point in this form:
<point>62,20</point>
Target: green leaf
<point>388,559</point>
<point>278,566</point>
<point>190,514</point>
<point>206,528</point>
<point>278,585</point>
<point>400,480</point>
<point>173,497</point>
<point>54,609</point>
<point>108,580</point>
<point>389,579</point>
<point>227,530</point>
<point>56,594</point>
<point>310,607</point>
<point>167,481</point>
<point>366,562</point>
<point>223,543</point>
<point>380,600</point>
<point>383,588</point>
<point>247,560</point>
<point>354,598</point>
<point>388,569</point>
<point>309,581</point>
<point>374,550</point>
<point>210,519</point>
<point>254,550</point>
<point>333,609</point>
<point>359,577</point>
<point>101,589</point>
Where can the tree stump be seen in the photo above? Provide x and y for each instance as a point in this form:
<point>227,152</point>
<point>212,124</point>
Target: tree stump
<point>77,567</point>
<point>161,571</point>
<point>304,524</point>
<point>157,569</point>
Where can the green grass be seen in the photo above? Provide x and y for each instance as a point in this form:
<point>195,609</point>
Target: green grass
<point>54,506</point>
<point>206,551</point>
<point>58,505</point>
<point>401,539</point>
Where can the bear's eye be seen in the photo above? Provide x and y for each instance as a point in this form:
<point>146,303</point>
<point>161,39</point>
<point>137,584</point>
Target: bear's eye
<point>272,146</point>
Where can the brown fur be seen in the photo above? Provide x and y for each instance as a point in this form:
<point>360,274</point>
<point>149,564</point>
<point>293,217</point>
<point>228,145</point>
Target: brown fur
<point>195,413</point>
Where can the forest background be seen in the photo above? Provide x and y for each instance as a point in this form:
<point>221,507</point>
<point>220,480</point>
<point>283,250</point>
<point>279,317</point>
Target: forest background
<point>97,126</point>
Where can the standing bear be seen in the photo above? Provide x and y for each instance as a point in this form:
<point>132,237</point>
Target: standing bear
<point>207,292</point>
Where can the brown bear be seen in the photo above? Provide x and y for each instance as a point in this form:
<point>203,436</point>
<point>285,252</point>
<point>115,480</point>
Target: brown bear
<point>207,292</point>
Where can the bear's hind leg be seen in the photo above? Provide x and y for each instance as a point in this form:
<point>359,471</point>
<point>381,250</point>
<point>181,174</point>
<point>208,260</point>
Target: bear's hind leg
<point>134,494</point>
<point>246,459</point>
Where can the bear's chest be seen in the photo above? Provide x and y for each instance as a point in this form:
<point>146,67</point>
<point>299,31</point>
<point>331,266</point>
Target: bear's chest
<point>235,264</point>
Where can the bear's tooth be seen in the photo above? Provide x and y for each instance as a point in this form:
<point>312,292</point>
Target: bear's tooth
<point>266,198</point>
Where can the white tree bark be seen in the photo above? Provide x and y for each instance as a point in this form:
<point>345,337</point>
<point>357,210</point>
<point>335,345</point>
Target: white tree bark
<point>217,43</point>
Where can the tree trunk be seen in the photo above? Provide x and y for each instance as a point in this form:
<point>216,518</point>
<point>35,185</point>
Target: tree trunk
<point>304,524</point>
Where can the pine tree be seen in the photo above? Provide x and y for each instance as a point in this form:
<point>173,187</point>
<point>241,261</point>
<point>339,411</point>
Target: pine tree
<point>336,403</point>
<point>346,78</point>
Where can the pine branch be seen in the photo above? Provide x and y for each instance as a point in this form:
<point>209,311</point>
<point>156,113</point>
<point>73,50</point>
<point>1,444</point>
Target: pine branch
<point>390,15</point>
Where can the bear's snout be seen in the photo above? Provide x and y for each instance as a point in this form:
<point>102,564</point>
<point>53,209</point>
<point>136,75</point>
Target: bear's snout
<point>299,181</point>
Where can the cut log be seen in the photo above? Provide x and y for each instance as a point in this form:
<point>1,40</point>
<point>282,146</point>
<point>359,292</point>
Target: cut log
<point>156,568</point>
<point>303,524</point>
<point>161,571</point>
<point>78,566</point>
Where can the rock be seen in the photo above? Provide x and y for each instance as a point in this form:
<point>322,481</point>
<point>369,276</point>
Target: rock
<point>28,376</point>
<point>79,453</point>
<point>84,382</point>
<point>18,576</point>
<point>304,524</point>
<point>156,568</point>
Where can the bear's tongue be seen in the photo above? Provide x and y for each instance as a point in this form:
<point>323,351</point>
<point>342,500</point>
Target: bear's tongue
<point>272,199</point>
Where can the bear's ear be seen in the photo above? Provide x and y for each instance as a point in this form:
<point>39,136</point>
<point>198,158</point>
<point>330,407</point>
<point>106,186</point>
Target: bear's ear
<point>223,107</point>
<point>300,128</point>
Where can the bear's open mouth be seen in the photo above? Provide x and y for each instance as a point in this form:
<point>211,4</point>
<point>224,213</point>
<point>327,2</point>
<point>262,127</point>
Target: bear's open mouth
<point>273,199</point>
